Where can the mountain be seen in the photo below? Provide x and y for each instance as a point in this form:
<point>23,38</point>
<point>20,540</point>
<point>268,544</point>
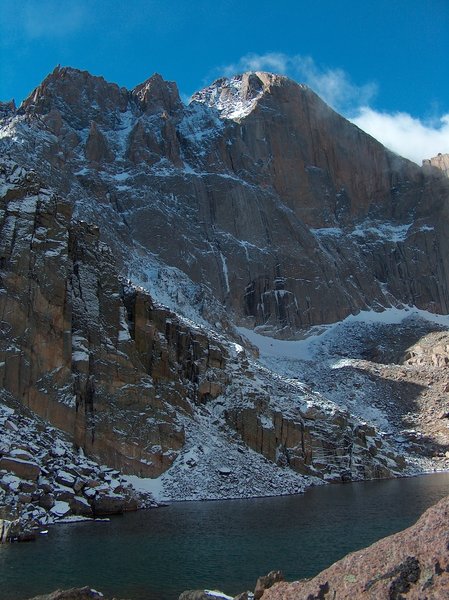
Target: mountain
<point>266,179</point>
<point>142,242</point>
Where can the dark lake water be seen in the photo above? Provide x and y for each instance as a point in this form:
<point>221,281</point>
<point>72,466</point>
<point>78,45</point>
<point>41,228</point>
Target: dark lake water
<point>154,555</point>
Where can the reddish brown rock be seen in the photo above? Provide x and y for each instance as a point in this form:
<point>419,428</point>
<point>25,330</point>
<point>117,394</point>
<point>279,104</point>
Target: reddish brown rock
<point>97,150</point>
<point>157,95</point>
<point>267,581</point>
<point>22,468</point>
<point>413,564</point>
<point>47,501</point>
<point>80,506</point>
<point>104,504</point>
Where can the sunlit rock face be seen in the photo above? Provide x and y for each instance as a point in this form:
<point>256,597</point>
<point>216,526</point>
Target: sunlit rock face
<point>136,232</point>
<point>440,162</point>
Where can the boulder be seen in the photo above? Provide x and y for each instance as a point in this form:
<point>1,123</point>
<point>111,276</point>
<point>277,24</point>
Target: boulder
<point>108,504</point>
<point>60,509</point>
<point>15,531</point>
<point>28,487</point>
<point>65,478</point>
<point>267,581</point>
<point>21,453</point>
<point>22,468</point>
<point>47,501</point>
<point>63,493</point>
<point>80,506</point>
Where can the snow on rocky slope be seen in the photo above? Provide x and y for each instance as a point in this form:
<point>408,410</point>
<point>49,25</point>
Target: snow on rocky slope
<point>138,232</point>
<point>45,479</point>
<point>327,372</point>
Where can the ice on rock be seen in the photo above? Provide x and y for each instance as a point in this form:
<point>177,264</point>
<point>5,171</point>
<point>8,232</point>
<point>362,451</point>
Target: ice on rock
<point>60,509</point>
<point>65,478</point>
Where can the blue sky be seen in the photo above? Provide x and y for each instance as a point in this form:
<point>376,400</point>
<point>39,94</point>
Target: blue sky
<point>384,64</point>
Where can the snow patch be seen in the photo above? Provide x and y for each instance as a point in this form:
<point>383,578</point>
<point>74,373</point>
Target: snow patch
<point>225,272</point>
<point>226,96</point>
<point>305,349</point>
<point>146,484</point>
<point>384,231</point>
<point>217,594</point>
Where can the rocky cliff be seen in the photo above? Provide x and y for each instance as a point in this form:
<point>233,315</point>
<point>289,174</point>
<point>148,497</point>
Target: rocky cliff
<point>136,232</point>
<point>95,356</point>
<point>291,215</point>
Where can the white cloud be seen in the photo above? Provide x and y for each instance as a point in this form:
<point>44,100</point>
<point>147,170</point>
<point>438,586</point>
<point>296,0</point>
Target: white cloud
<point>408,136</point>
<point>273,61</point>
<point>332,85</point>
<point>405,135</point>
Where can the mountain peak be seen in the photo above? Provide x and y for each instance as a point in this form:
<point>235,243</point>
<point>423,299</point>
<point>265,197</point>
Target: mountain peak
<point>235,97</point>
<point>156,93</point>
<point>63,79</point>
<point>78,95</point>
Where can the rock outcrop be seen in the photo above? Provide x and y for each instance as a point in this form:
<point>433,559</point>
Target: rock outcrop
<point>441,162</point>
<point>153,228</point>
<point>66,338</point>
<point>45,478</point>
<point>411,564</point>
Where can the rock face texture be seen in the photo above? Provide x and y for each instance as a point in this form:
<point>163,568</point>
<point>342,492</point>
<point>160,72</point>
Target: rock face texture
<point>97,358</point>
<point>289,213</point>
<point>441,162</point>
<point>62,307</point>
<point>136,232</point>
<point>45,478</point>
<point>411,564</point>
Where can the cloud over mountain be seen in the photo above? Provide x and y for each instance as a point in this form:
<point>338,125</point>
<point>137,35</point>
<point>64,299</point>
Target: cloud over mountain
<point>409,136</point>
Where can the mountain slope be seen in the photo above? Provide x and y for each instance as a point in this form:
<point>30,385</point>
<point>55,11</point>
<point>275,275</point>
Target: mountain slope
<point>137,232</point>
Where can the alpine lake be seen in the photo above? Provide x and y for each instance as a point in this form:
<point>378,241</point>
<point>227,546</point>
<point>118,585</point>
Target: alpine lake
<point>226,545</point>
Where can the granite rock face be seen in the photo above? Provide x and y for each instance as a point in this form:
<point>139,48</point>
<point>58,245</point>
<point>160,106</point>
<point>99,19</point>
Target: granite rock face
<point>411,564</point>
<point>290,214</point>
<point>136,232</point>
<point>440,162</point>
<point>66,333</point>
<point>45,477</point>
<point>94,355</point>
